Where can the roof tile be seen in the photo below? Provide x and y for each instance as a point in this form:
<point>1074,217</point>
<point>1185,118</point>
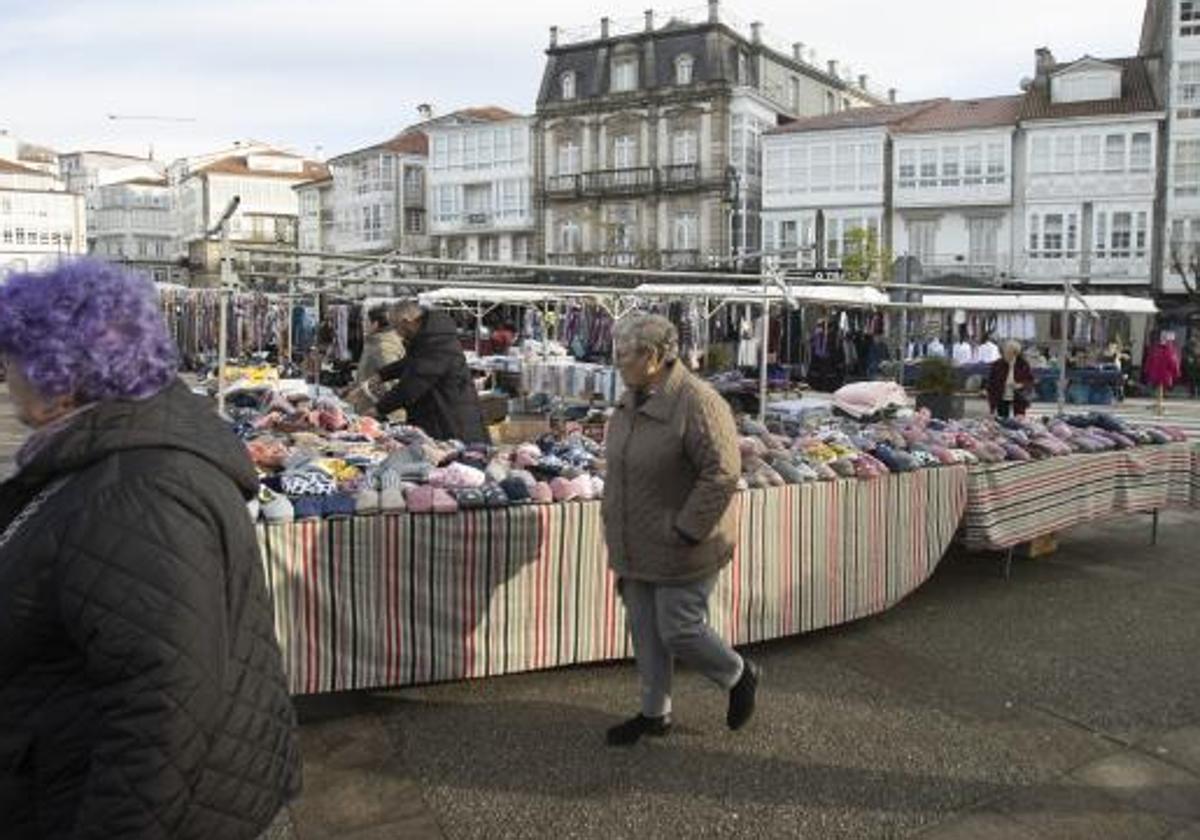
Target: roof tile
<point>1137,96</point>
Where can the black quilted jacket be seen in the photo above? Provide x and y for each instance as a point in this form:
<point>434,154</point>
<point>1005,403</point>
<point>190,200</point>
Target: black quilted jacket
<point>141,687</point>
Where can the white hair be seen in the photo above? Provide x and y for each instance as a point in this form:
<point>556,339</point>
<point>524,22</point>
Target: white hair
<point>644,332</point>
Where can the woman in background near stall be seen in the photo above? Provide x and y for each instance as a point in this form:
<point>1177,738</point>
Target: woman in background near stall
<point>1010,382</point>
<point>142,691</point>
<point>673,467</point>
<point>382,345</point>
<point>1191,363</point>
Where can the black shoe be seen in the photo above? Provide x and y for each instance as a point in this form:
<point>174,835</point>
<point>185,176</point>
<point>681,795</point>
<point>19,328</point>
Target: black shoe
<point>627,734</point>
<point>742,695</point>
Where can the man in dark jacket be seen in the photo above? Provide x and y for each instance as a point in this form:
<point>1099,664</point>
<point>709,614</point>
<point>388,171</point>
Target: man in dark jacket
<point>142,692</point>
<point>434,384</point>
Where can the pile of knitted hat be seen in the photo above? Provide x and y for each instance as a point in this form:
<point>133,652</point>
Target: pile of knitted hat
<point>846,449</point>
<point>321,460</point>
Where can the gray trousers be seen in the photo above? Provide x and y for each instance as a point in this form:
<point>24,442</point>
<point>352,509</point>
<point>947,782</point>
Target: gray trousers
<point>669,622</point>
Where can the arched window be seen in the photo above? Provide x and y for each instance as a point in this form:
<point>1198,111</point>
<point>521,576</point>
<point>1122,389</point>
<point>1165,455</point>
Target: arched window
<point>683,69</point>
<point>568,85</point>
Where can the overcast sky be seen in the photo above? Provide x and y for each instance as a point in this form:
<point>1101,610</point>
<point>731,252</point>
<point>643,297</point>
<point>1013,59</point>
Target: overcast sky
<point>337,75</point>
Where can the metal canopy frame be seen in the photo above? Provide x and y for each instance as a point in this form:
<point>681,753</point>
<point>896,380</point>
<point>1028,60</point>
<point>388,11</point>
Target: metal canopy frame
<point>487,279</point>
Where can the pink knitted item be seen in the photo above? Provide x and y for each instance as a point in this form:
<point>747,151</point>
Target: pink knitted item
<point>420,499</point>
<point>541,493</point>
<point>563,489</point>
<point>443,502</point>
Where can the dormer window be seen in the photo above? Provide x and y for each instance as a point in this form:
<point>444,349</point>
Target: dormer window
<point>1087,80</point>
<point>683,70</point>
<point>624,75</point>
<point>743,69</point>
<point>568,85</point>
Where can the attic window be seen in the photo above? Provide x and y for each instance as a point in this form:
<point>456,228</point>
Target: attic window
<point>568,85</point>
<point>683,69</point>
<point>1086,85</point>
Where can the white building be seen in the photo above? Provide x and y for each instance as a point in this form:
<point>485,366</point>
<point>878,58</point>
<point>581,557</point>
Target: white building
<point>1087,173</point>
<point>952,188</point>
<point>130,221</point>
<point>378,196</point>
<point>84,172</point>
<point>824,177</point>
<point>316,227</point>
<point>1171,46</point>
<point>40,222</point>
<point>480,186</point>
<point>267,215</point>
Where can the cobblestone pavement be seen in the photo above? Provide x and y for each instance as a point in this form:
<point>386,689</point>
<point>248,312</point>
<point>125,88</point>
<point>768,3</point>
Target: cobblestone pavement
<point>1063,703</point>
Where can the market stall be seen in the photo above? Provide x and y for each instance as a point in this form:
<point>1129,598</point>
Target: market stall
<point>1014,502</point>
<point>393,600</point>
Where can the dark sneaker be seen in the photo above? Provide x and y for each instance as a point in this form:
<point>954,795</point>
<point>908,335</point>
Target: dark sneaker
<point>628,733</point>
<point>742,696</point>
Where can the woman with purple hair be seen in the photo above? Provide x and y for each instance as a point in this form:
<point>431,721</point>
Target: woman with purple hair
<point>141,687</point>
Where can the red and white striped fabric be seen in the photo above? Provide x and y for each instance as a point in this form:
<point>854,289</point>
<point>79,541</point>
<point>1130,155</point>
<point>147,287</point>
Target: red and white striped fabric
<point>1015,502</point>
<point>414,598</point>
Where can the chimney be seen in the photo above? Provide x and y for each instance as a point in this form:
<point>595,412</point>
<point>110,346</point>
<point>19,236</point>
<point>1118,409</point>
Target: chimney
<point>862,81</point>
<point>756,32</point>
<point>892,95</point>
<point>833,68</point>
<point>553,36</point>
<point>649,20</point>
<point>798,51</point>
<point>1043,65</point>
<point>425,110</point>
<point>603,29</point>
<point>714,11</point>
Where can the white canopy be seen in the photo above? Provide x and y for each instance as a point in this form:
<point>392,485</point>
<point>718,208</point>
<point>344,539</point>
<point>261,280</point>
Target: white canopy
<point>1039,303</point>
<point>469,295</point>
<point>851,295</point>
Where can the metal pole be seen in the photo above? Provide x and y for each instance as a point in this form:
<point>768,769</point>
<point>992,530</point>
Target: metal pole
<point>766,337</point>
<point>1064,346</point>
<point>223,338</point>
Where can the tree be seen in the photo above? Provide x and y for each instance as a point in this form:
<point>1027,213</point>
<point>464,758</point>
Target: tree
<point>866,259</point>
<point>1185,262</point>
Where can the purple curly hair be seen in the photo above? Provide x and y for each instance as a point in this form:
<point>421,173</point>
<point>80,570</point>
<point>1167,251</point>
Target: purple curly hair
<point>87,329</point>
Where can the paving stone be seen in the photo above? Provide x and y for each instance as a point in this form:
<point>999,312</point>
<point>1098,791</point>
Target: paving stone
<point>1180,746</point>
<point>337,801</point>
<point>1150,784</point>
<point>1069,810</point>
<point>1189,832</point>
<point>981,827</point>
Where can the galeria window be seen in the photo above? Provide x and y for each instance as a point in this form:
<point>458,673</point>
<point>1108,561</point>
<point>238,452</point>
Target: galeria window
<point>624,75</point>
<point>1189,16</point>
<point>683,70</point>
<point>1187,168</point>
<point>1187,90</point>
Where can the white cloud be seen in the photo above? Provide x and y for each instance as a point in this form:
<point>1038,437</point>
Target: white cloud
<point>340,74</point>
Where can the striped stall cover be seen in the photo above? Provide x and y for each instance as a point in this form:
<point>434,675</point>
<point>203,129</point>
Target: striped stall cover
<point>1012,503</point>
<point>406,599</point>
<point>1196,476</point>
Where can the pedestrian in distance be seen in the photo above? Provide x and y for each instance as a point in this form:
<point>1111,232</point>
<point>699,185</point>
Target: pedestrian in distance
<point>1010,383</point>
<point>142,691</point>
<point>673,468</point>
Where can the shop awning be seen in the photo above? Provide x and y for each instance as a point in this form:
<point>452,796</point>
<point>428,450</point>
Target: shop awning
<point>843,294</point>
<point>1039,303</point>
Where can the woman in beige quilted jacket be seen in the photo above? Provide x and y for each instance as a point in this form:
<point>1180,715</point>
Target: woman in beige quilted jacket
<point>673,467</point>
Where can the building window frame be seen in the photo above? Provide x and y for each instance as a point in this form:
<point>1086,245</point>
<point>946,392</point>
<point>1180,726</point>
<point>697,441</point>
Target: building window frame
<point>624,75</point>
<point>684,69</point>
<point>567,85</point>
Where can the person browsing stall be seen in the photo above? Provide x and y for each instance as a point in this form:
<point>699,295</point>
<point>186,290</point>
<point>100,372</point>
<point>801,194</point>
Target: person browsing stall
<point>433,383</point>
<point>1010,382</point>
<point>670,524</point>
<point>142,691</point>
<point>382,345</point>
